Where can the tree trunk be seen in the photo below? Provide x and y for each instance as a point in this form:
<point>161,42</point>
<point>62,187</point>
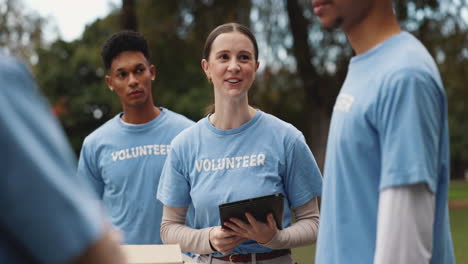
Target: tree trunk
<point>207,18</point>
<point>316,114</point>
<point>129,21</point>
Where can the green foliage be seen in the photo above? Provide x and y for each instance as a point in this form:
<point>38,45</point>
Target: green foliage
<point>72,75</point>
<point>176,31</point>
<point>180,84</point>
<point>458,190</point>
<point>20,30</point>
<point>445,34</point>
<point>453,61</point>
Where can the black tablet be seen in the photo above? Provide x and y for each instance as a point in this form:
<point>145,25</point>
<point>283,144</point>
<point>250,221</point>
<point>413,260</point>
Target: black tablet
<point>259,207</point>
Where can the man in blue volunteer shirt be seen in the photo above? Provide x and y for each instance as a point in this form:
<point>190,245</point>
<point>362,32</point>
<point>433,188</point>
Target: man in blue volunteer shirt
<point>386,171</point>
<point>48,214</point>
<point>123,158</point>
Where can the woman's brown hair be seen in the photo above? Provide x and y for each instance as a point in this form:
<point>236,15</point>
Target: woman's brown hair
<point>227,28</point>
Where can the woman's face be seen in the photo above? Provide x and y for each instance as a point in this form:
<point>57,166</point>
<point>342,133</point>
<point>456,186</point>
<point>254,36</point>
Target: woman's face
<point>231,65</point>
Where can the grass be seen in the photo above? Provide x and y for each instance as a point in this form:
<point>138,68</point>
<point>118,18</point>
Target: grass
<point>304,255</point>
<point>458,190</point>
<point>458,225</point>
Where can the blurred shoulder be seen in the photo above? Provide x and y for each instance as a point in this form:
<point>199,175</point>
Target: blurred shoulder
<point>177,118</point>
<point>280,127</point>
<point>190,134</point>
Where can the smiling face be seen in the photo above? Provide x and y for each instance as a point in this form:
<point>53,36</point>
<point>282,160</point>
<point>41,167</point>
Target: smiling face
<point>342,14</point>
<point>130,76</point>
<point>231,65</point>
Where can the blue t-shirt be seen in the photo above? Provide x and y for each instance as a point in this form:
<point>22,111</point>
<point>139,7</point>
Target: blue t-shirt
<point>123,163</point>
<point>208,166</point>
<point>45,209</point>
<point>389,128</point>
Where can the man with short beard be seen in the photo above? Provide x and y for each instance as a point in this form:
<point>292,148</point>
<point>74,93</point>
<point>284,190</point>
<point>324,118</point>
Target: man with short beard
<point>386,172</point>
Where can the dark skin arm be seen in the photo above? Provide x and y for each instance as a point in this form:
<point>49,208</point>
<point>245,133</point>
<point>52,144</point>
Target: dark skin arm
<point>106,250</point>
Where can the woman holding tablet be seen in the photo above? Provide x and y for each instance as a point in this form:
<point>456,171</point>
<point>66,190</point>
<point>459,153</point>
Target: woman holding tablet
<point>235,153</point>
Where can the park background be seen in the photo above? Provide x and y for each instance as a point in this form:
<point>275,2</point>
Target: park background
<point>302,68</point>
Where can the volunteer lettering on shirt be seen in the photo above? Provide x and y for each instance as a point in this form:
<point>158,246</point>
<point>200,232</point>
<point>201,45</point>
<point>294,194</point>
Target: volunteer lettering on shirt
<point>145,150</point>
<point>230,163</point>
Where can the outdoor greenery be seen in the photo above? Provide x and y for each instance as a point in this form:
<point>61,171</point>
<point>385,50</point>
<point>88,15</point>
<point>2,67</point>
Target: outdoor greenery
<point>458,221</point>
<point>458,190</point>
<point>304,255</point>
<point>302,64</point>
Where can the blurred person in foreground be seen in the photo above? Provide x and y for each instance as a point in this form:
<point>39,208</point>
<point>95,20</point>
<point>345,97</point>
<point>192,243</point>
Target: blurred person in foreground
<point>48,214</point>
<point>386,170</point>
<point>123,158</point>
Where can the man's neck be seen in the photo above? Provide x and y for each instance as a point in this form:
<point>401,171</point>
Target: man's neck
<point>379,25</point>
<point>140,115</point>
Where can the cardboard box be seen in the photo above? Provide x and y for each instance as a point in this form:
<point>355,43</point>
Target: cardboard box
<point>153,254</point>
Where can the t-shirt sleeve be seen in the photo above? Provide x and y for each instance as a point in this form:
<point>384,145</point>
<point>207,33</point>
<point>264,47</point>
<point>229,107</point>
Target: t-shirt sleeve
<point>303,180</point>
<point>174,188</point>
<point>409,127</point>
<point>88,170</point>
<point>46,209</point>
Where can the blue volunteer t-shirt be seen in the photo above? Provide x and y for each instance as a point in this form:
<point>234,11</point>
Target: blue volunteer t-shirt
<point>389,128</point>
<point>46,211</point>
<point>123,163</point>
<point>208,166</point>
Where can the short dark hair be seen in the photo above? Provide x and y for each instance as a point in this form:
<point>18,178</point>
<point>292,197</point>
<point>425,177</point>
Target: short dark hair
<point>123,41</point>
<point>226,28</point>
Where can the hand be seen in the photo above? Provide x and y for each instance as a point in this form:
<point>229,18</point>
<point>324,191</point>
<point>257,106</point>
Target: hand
<point>255,230</point>
<point>116,235</point>
<point>222,241</point>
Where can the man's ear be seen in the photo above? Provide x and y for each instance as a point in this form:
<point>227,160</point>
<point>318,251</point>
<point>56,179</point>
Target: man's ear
<point>152,69</point>
<point>109,82</point>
